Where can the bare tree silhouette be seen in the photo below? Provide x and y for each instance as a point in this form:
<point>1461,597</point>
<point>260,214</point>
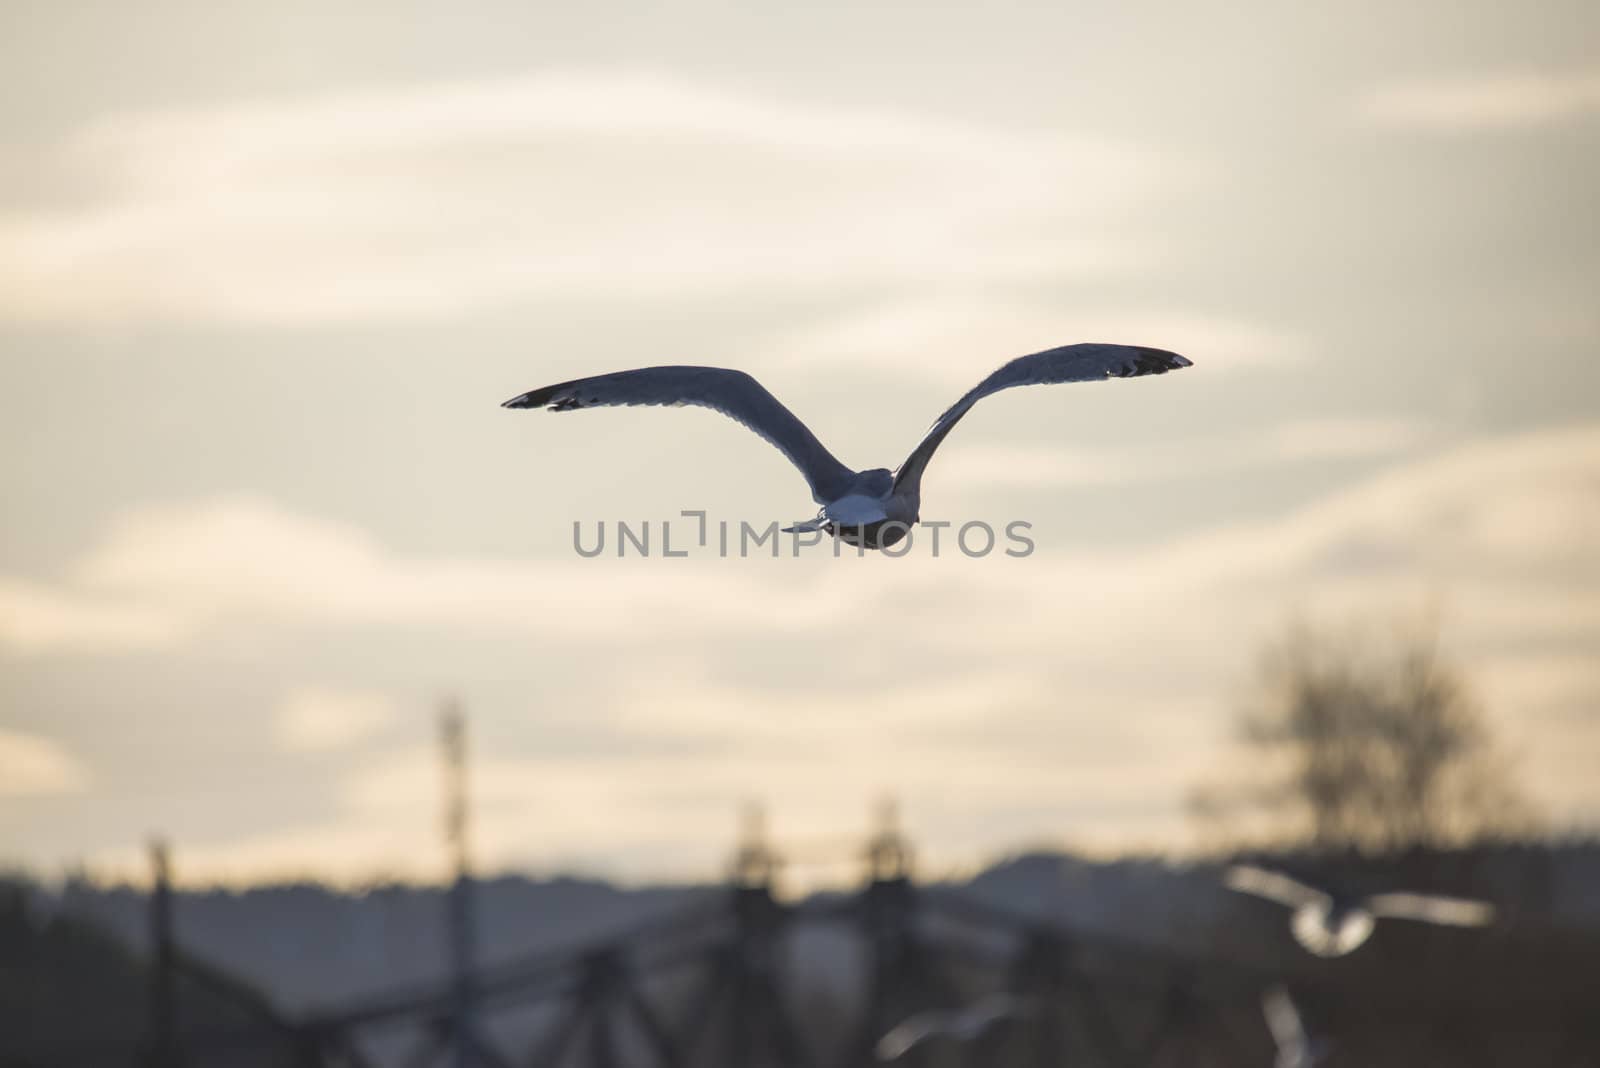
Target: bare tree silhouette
<point>1354,742</point>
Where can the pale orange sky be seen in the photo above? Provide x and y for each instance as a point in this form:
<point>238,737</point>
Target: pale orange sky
<point>265,276</point>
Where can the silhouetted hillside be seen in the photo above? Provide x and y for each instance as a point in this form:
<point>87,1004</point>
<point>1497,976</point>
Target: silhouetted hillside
<point>73,993</point>
<point>309,944</point>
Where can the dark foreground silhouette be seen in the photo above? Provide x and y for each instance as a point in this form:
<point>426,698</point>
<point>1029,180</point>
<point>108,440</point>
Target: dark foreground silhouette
<point>1121,964</point>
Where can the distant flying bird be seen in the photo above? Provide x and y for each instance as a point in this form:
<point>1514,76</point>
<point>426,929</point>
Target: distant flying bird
<point>964,1024</point>
<point>1330,925</point>
<point>1296,1049</point>
<point>875,507</point>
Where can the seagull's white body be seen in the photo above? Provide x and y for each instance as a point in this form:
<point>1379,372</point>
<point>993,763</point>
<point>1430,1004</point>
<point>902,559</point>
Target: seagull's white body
<point>1329,930</point>
<point>875,507</point>
<point>964,1024</point>
<point>1331,926</point>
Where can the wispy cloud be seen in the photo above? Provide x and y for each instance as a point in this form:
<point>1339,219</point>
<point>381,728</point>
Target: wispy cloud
<point>32,765</point>
<point>971,664</point>
<point>1485,511</point>
<point>246,559</point>
<point>980,465</point>
<point>1337,438</point>
<point>240,137</point>
<point>957,338</point>
<point>445,198</point>
<point>40,619</point>
<point>1491,101</point>
<point>1482,512</point>
<point>319,719</point>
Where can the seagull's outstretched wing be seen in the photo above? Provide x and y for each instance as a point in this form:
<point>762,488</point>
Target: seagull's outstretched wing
<point>991,1009</point>
<point>1070,363</point>
<point>1272,885</point>
<point>900,1039</point>
<point>1449,911</point>
<point>1296,1049</point>
<point>1283,1018</point>
<point>733,393</point>
<point>964,1023</point>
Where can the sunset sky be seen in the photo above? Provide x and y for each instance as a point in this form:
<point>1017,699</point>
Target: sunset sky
<point>267,270</point>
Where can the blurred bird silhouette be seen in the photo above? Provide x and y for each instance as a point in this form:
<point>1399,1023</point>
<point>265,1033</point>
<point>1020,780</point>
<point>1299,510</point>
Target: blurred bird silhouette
<point>963,1024</point>
<point>1296,1049</point>
<point>1332,925</point>
<point>876,507</point>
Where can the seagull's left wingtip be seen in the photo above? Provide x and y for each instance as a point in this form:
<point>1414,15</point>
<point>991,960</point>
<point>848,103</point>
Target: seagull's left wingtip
<point>1135,361</point>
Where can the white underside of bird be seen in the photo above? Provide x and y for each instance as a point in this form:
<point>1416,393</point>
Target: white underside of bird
<point>855,509</point>
<point>874,507</point>
<point>1328,933</point>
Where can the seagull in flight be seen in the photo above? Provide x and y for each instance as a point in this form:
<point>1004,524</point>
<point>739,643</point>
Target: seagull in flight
<point>874,508</point>
<point>964,1024</point>
<point>1296,1049</point>
<point>1330,925</point>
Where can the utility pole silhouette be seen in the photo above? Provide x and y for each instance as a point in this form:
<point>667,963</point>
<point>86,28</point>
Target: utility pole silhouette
<point>743,986</point>
<point>905,976</point>
<point>453,744</point>
<point>163,1037</point>
<point>888,850</point>
<point>758,1016</point>
<point>754,862</point>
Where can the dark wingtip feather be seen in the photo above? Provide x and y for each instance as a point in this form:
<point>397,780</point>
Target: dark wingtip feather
<point>1151,362</point>
<point>535,399</point>
<point>561,397</point>
<point>1159,361</point>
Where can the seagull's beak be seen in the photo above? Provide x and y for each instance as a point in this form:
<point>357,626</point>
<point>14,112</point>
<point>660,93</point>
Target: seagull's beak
<point>807,526</point>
